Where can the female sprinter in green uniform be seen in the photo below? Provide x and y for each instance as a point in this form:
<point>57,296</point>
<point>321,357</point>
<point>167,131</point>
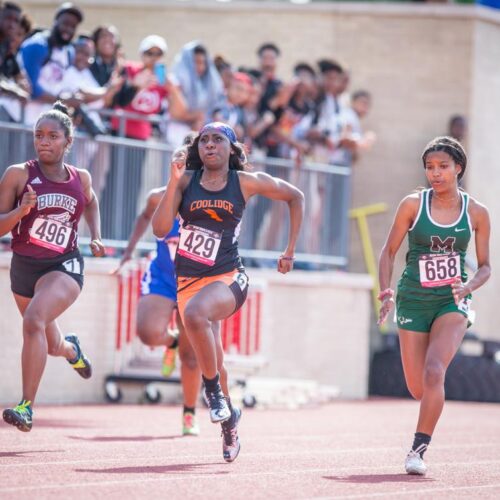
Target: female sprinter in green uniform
<point>433,300</point>
<point>211,283</point>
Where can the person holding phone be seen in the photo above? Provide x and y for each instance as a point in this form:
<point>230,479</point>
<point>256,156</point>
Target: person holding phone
<point>150,99</point>
<point>41,202</point>
<point>155,87</point>
<point>434,292</point>
<point>161,73</point>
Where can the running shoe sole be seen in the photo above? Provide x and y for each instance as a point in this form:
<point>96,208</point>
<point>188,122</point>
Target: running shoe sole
<point>86,370</point>
<point>11,418</point>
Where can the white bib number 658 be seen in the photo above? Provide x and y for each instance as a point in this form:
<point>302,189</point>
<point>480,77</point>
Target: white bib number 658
<point>439,269</point>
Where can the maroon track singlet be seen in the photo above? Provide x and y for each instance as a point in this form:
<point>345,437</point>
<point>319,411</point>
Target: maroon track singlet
<point>50,229</point>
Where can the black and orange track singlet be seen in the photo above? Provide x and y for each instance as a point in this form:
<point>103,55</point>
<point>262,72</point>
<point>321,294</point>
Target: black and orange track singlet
<point>210,226</point>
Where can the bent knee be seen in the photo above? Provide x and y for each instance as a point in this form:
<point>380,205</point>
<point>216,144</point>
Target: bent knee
<point>54,349</point>
<point>434,373</point>
<point>149,333</point>
<point>33,323</point>
<point>194,319</point>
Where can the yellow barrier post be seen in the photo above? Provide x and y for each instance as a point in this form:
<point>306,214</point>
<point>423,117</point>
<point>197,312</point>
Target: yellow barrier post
<point>361,214</point>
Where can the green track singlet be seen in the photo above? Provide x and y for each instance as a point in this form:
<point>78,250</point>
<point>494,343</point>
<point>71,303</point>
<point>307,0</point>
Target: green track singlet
<point>436,254</point>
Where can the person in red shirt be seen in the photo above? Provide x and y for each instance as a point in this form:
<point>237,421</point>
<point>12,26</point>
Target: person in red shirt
<point>155,90</point>
<point>149,99</point>
<point>41,202</point>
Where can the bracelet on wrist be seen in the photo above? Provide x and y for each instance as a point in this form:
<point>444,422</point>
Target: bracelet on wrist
<point>388,293</point>
<point>283,257</point>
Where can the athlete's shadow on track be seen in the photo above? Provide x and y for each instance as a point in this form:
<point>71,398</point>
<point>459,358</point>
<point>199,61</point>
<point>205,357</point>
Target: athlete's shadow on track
<point>111,439</point>
<point>158,469</point>
<point>379,478</point>
<point>20,454</point>
<point>61,424</point>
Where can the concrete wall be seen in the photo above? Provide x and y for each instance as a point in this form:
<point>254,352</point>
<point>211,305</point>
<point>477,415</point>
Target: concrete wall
<point>484,176</point>
<point>317,327</point>
<point>314,326</point>
<point>422,64</point>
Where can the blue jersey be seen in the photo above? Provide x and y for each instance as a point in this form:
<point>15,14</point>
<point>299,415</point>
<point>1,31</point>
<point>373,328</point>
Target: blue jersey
<point>164,254</point>
<point>159,278</point>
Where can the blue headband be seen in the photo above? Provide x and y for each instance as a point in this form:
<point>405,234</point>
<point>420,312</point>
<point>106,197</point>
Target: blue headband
<point>223,128</point>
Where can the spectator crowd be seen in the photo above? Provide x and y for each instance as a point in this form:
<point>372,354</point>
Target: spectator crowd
<point>313,115</point>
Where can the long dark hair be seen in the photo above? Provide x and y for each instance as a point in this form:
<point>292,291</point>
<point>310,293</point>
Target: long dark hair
<point>237,159</point>
<point>449,146</point>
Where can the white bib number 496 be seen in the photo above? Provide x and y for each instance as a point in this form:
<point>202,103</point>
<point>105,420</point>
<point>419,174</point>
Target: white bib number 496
<point>199,244</point>
<point>439,269</point>
<point>50,233</point>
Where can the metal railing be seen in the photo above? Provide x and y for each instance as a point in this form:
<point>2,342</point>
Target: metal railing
<point>125,170</point>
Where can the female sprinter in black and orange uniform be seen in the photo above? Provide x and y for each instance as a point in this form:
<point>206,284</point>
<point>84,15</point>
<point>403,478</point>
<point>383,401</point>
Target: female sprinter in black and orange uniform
<point>210,198</point>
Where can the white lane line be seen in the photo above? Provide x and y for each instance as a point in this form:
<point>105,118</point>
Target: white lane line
<point>235,475</point>
<point>257,454</point>
<point>301,453</point>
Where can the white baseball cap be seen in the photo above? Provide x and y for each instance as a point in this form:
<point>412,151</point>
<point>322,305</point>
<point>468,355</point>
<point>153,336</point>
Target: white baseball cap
<point>153,41</point>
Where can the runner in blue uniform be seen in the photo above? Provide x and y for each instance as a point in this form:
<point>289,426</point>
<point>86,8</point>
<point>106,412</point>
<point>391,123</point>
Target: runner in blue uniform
<point>156,305</point>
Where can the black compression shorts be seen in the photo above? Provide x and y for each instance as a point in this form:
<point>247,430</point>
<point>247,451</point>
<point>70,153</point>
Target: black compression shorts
<point>26,271</point>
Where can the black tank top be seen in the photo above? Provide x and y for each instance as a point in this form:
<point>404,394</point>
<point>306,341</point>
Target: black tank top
<point>210,226</point>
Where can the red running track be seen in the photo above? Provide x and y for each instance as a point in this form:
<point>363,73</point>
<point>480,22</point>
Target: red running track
<point>342,450</point>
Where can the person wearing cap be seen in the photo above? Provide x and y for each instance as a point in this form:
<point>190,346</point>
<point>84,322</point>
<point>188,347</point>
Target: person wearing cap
<point>151,97</point>
<point>153,92</point>
<point>45,56</point>
<point>209,188</point>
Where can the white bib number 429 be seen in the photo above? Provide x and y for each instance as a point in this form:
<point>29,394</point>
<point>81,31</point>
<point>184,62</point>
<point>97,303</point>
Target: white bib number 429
<point>50,233</point>
<point>199,244</point>
<point>439,269</point>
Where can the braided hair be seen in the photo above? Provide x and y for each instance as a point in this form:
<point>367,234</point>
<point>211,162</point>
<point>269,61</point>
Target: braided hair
<point>449,146</point>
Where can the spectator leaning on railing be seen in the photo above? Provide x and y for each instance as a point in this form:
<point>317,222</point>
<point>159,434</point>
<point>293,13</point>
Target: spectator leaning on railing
<point>108,63</point>
<point>302,102</point>
<point>14,87</point>
<point>45,56</point>
<point>79,84</point>
<point>22,31</point>
<point>238,93</point>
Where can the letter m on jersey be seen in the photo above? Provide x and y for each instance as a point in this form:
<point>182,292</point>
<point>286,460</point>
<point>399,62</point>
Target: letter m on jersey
<point>438,245</point>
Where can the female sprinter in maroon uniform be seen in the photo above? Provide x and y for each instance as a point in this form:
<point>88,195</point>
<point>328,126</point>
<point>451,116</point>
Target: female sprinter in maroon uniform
<point>41,202</point>
<point>211,283</point>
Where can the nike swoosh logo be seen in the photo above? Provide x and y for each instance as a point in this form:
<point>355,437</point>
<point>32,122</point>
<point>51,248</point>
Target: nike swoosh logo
<point>457,230</point>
